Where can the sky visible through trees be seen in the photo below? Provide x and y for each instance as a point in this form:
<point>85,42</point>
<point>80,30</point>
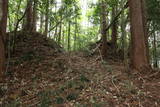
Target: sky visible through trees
<point>73,53</point>
<point>85,6</point>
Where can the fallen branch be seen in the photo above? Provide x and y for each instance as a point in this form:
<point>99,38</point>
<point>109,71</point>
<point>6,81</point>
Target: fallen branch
<point>115,85</point>
<point>94,50</point>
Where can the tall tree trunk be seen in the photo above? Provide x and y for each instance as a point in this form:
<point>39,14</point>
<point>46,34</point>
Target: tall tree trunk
<point>124,34</point>
<point>69,34</point>
<point>34,23</point>
<point>123,26</point>
<point>114,29</point>
<point>155,62</point>
<point>55,33</point>
<point>50,25</point>
<point>60,32</point>
<point>103,30</point>
<point>3,25</point>
<point>138,35</point>
<point>75,34</point>
<point>63,38</point>
<point>107,33</point>
<point>29,16</point>
<point>46,17</point>
<point>144,15</point>
<point>23,24</point>
<point>41,22</point>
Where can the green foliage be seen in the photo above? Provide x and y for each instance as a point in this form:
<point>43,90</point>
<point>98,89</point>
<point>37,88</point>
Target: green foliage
<point>16,10</point>
<point>94,14</point>
<point>64,11</point>
<point>153,7</point>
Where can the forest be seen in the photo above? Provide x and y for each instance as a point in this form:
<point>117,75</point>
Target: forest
<point>79,53</point>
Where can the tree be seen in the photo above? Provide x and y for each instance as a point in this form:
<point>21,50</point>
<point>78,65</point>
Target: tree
<point>41,22</point>
<point>69,35</point>
<point>29,16</point>
<point>155,61</point>
<point>3,24</point>
<point>75,34</point>
<point>103,30</point>
<point>144,17</point>
<point>34,22</point>
<point>123,24</point>
<point>114,28</point>
<point>138,35</point>
<point>46,17</point>
<point>60,33</point>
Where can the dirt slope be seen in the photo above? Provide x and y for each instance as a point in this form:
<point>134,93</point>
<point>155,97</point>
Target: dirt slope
<point>41,74</point>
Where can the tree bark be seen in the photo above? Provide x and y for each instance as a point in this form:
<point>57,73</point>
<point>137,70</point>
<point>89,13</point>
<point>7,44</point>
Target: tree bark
<point>34,23</point>
<point>63,37</point>
<point>144,15</point>
<point>103,30</point>
<point>3,25</point>
<point>155,62</point>
<point>75,34</point>
<point>55,33</point>
<point>46,18</point>
<point>114,29</point>
<point>29,16</point>
<point>123,27</point>
<point>41,22</point>
<point>60,32</point>
<point>69,34</point>
<point>138,35</point>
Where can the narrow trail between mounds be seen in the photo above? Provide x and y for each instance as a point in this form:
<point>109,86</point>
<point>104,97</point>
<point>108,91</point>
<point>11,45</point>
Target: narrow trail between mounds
<point>42,74</point>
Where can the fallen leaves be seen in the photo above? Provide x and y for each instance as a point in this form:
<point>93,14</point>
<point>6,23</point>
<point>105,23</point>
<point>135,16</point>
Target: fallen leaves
<point>72,79</point>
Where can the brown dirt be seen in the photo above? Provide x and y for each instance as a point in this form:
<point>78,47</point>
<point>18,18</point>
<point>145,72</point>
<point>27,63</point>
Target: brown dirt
<point>59,79</point>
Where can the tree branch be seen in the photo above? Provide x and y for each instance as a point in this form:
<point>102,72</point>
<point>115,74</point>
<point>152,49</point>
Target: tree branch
<point>116,17</point>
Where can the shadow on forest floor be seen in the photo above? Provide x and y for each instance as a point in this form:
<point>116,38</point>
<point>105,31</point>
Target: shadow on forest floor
<point>42,74</point>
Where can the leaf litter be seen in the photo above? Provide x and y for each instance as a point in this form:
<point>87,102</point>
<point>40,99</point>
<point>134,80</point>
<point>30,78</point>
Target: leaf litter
<point>42,74</point>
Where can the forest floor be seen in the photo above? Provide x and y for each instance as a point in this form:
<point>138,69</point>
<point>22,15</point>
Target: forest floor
<point>42,74</point>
